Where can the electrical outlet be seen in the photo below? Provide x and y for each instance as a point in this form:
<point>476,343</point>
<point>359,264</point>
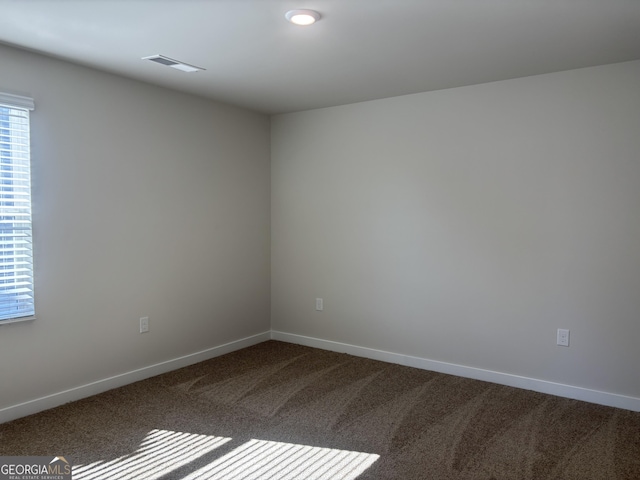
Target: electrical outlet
<point>144,324</point>
<point>319,304</point>
<point>563,337</point>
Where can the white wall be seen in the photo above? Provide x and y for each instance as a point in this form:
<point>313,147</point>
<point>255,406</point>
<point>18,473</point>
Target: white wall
<point>463,226</point>
<point>467,225</point>
<point>147,202</point>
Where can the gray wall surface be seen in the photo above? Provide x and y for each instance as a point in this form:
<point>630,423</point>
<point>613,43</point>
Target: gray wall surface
<point>147,202</point>
<point>461,226</point>
<point>468,225</point>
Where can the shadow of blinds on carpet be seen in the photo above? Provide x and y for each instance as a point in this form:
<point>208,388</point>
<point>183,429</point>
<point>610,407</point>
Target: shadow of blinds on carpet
<point>163,452</point>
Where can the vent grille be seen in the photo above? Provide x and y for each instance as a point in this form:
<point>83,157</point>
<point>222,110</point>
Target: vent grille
<point>170,62</point>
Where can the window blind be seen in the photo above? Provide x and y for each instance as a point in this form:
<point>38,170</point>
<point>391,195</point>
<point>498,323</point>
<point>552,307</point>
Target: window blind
<point>16,252</point>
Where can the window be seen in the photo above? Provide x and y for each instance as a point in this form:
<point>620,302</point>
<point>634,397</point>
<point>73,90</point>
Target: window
<point>16,252</point>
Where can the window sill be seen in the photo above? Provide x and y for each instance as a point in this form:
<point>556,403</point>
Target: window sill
<point>17,320</point>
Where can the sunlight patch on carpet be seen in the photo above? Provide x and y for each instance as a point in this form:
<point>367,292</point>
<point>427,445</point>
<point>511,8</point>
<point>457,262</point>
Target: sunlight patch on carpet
<point>159,453</point>
<point>259,459</point>
<point>163,452</point>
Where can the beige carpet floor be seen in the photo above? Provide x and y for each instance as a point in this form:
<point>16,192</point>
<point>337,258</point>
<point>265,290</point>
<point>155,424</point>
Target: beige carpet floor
<point>283,411</point>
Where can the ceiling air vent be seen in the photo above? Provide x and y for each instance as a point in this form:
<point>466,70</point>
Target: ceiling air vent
<point>170,62</point>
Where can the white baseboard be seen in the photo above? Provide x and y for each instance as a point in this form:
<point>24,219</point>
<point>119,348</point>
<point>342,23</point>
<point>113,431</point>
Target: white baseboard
<point>542,386</point>
<point>99,386</point>
<point>93,388</point>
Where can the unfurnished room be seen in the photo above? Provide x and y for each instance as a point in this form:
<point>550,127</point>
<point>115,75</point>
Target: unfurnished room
<point>333,239</point>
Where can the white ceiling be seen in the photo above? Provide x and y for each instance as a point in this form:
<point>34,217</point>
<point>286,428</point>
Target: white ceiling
<point>359,50</point>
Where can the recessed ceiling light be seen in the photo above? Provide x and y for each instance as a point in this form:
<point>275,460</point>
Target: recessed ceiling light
<point>302,17</point>
<point>170,62</point>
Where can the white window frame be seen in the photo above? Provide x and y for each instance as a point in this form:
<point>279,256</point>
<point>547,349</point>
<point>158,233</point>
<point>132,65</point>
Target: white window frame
<point>16,233</point>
